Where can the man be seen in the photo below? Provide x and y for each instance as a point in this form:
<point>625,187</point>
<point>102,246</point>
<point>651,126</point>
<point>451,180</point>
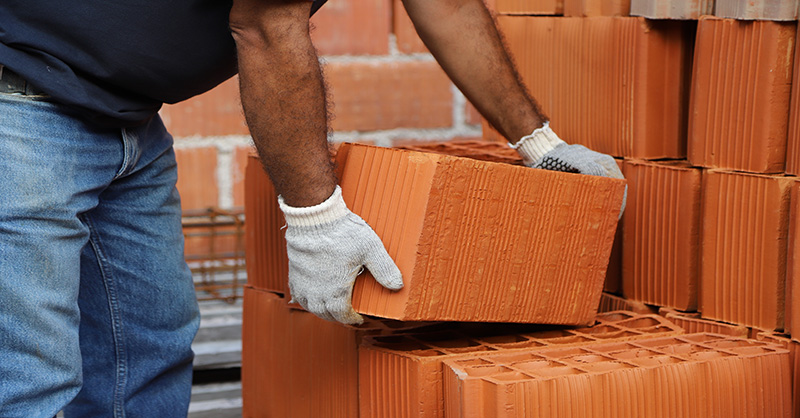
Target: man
<point>98,310</point>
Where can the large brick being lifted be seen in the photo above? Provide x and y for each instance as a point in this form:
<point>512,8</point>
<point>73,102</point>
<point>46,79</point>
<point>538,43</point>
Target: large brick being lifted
<point>481,241</point>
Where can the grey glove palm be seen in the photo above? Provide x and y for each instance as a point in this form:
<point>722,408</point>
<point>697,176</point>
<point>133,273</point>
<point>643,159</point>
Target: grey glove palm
<point>328,245</point>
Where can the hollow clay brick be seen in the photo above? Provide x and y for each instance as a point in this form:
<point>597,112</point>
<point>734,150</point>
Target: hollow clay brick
<point>479,150</point>
<point>794,348</point>
<point>692,323</point>
<point>792,320</point>
<point>793,142</point>
<point>744,247</point>
<point>613,282</point>
<point>529,7</point>
<point>592,8</point>
<point>740,95</point>
<point>401,376</point>
<point>266,259</point>
<point>688,376</point>
<point>481,241</point>
<point>662,234</point>
<point>295,364</point>
<point>610,303</point>
<point>672,9</point>
<point>757,9</point>
<point>618,85</point>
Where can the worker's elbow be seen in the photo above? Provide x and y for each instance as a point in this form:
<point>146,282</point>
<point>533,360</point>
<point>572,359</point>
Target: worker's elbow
<point>268,22</point>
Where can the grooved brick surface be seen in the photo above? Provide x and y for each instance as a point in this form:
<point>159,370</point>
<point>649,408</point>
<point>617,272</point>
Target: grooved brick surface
<point>694,323</point>
<point>266,259</point>
<point>635,70</point>
<point>793,142</point>
<point>672,9</point>
<point>744,246</point>
<point>658,377</point>
<point>352,27</point>
<point>295,364</point>
<point>794,348</point>
<point>740,95</point>
<point>792,320</point>
<point>591,8</point>
<point>389,94</point>
<point>400,376</point>
<point>757,9</point>
<point>480,241</point>
<point>529,7</point>
<point>610,303</point>
<point>661,225</point>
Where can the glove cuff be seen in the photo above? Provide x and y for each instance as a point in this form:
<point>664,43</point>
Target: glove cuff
<point>534,146</point>
<point>326,212</point>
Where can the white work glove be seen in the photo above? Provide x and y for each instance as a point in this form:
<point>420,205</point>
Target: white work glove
<point>544,149</point>
<point>327,245</point>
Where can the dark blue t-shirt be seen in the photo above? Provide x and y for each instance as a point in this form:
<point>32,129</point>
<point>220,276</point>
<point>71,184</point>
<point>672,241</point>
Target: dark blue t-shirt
<point>117,61</point>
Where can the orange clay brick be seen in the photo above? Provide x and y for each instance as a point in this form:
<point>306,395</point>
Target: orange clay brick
<point>214,113</point>
<point>741,87</point>
<point>794,348</point>
<point>793,142</point>
<point>529,7</point>
<point>610,303</point>
<point>618,85</point>
<point>692,322</point>
<point>297,365</point>
<point>479,150</point>
<point>744,247</point>
<point>267,262</point>
<point>409,367</point>
<point>662,234</point>
<point>352,27</point>
<point>591,8</point>
<point>408,41</point>
<point>613,282</point>
<point>197,182</point>
<point>692,375</point>
<point>672,9</point>
<point>792,320</point>
<point>481,241</point>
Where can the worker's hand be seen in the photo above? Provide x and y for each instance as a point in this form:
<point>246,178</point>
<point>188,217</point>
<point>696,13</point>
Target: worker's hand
<point>544,149</point>
<point>328,246</point>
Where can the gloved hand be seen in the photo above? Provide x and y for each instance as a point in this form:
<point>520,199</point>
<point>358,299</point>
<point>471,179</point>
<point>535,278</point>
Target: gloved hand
<point>327,245</point>
<point>544,149</point>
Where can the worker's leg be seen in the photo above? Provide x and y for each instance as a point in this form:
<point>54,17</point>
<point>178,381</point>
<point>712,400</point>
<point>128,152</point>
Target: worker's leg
<point>52,167</point>
<point>138,307</point>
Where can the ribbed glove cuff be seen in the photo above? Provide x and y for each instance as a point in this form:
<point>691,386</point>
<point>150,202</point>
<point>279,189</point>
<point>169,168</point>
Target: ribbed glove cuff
<point>537,144</point>
<point>326,212</point>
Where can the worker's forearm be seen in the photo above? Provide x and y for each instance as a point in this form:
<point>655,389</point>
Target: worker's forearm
<point>283,96</point>
<point>462,36</point>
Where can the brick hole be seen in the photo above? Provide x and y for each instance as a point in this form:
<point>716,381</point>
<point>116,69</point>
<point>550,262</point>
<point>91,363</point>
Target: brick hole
<point>640,323</point>
<point>606,366</point>
<point>620,334</point>
<point>608,348</point>
<point>600,329</point>
<point>588,358</point>
<point>556,371</point>
<point>569,340</point>
<point>522,344</point>
<point>438,337</point>
<point>473,362</point>
<point>468,349</point>
<point>733,343</point>
<point>481,371</point>
<point>632,354</point>
<point>565,352</point>
<point>684,349</point>
<point>511,376</point>
<point>536,364</point>
<point>399,343</point>
<point>518,357</point>
<point>503,339</point>
<point>614,316</point>
<point>428,353</point>
<point>709,355</point>
<point>459,343</point>
<point>556,333</point>
<point>660,342</point>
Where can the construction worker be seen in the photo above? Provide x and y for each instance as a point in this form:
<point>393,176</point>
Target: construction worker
<point>98,306</point>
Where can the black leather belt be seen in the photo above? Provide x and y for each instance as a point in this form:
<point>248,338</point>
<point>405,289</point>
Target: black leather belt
<point>13,83</point>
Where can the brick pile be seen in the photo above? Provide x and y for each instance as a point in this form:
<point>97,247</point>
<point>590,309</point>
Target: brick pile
<point>702,115</point>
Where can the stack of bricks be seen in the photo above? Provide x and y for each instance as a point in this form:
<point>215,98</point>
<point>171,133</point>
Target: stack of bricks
<point>700,100</point>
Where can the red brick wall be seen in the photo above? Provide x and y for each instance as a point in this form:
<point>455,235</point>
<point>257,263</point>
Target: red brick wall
<point>386,87</point>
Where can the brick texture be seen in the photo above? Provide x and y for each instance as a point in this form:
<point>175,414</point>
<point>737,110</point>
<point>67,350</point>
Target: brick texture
<point>389,94</point>
<point>197,182</point>
<point>409,367</point>
<point>672,9</point>
<point>636,71</point>
<point>744,246</point>
<point>590,8</point>
<point>694,323</point>
<point>216,112</point>
<point>529,7</point>
<point>740,95</point>
<point>237,174</point>
<point>792,320</point>
<point>352,27</point>
<point>408,41</point>
<point>793,142</point>
<point>564,383</point>
<point>448,222</point>
<point>661,245</point>
<point>611,303</point>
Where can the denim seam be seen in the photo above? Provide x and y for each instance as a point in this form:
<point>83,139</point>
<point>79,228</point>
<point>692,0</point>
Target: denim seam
<point>130,152</point>
<point>116,321</point>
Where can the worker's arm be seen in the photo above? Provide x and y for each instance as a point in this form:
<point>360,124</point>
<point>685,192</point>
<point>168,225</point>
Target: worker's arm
<point>462,36</point>
<point>284,101</point>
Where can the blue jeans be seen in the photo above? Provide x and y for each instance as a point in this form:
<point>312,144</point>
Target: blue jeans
<point>97,306</point>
